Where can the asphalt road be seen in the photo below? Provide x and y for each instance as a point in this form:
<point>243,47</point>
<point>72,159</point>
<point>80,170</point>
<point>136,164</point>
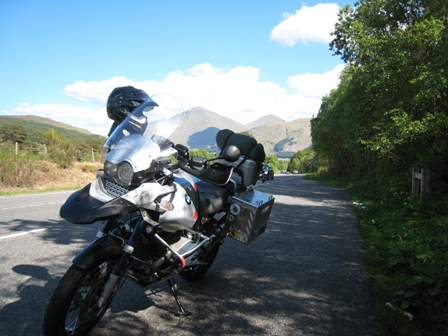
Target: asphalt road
<point>304,276</point>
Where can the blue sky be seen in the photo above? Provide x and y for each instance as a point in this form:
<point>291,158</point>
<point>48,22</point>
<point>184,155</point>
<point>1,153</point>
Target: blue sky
<point>242,59</point>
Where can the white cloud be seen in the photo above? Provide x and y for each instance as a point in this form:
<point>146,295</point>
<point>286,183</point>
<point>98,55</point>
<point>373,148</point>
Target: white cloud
<point>316,85</point>
<point>308,24</point>
<point>236,93</point>
<point>94,92</point>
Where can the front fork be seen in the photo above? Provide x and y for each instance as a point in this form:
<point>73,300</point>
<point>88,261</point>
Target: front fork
<point>121,266</point>
<point>127,251</point>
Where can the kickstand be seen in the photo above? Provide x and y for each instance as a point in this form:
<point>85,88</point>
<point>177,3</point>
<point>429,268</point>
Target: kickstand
<point>175,291</point>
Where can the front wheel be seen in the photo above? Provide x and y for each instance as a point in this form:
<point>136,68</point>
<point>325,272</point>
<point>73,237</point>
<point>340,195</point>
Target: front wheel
<point>73,309</point>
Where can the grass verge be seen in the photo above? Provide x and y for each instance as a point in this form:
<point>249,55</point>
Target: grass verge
<point>45,176</point>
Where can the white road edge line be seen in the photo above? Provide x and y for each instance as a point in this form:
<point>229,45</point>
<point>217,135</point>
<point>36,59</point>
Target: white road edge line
<point>22,233</point>
<point>32,205</point>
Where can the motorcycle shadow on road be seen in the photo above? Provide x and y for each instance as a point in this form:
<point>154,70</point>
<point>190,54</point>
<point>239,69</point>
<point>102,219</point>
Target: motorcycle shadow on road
<point>24,316</point>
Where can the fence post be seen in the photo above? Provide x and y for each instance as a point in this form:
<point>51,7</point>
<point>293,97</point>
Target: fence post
<point>424,186</point>
<point>93,157</point>
<point>16,161</point>
<point>420,180</point>
<point>415,183</point>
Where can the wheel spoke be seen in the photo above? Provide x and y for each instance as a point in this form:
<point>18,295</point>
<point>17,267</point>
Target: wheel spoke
<point>83,308</point>
<point>70,329</point>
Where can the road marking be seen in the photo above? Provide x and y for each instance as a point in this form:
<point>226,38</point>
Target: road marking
<point>22,233</point>
<point>39,194</point>
<point>32,205</point>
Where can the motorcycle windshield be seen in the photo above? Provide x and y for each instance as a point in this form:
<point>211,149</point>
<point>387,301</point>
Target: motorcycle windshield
<point>156,119</point>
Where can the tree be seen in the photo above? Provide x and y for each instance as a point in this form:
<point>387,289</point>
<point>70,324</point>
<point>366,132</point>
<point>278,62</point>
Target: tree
<point>59,148</point>
<point>13,133</point>
<point>202,153</point>
<point>273,161</point>
<point>302,161</point>
<point>390,110</point>
<point>283,164</point>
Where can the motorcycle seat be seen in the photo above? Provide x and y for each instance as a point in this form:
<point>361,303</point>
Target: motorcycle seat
<point>212,198</point>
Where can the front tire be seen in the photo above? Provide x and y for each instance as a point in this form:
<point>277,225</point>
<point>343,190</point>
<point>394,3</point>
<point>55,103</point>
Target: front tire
<point>72,309</point>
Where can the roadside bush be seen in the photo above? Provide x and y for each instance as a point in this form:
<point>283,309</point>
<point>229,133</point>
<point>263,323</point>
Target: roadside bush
<point>421,251</point>
<point>16,171</point>
<point>406,247</point>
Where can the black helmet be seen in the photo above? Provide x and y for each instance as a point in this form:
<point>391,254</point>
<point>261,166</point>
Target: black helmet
<point>122,101</point>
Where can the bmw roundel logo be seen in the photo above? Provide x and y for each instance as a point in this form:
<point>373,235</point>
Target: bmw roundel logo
<point>188,199</point>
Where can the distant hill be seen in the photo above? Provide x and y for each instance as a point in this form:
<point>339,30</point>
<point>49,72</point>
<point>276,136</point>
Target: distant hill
<point>266,120</point>
<point>35,125</point>
<point>198,130</point>
<point>284,138</point>
<point>200,126</point>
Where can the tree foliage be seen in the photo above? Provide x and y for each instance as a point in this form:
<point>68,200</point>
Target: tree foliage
<point>303,161</point>
<point>202,153</point>
<point>13,133</point>
<point>389,112</point>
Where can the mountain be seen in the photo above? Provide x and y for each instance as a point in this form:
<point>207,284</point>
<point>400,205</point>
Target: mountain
<point>266,120</point>
<point>284,138</point>
<point>200,126</point>
<point>35,125</point>
<point>198,130</point>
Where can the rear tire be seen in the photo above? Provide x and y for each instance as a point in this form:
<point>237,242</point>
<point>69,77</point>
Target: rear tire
<point>72,308</point>
<point>197,272</point>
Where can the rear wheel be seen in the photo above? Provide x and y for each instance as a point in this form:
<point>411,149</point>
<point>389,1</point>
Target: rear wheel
<point>195,273</point>
<point>73,309</point>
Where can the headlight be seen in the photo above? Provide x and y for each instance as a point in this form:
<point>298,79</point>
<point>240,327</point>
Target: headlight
<point>124,173</point>
<point>110,168</point>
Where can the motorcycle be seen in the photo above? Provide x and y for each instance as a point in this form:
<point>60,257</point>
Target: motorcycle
<point>159,219</point>
<point>266,173</point>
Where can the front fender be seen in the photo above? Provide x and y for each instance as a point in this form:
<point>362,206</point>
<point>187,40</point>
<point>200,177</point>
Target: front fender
<point>98,251</point>
<point>81,208</point>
